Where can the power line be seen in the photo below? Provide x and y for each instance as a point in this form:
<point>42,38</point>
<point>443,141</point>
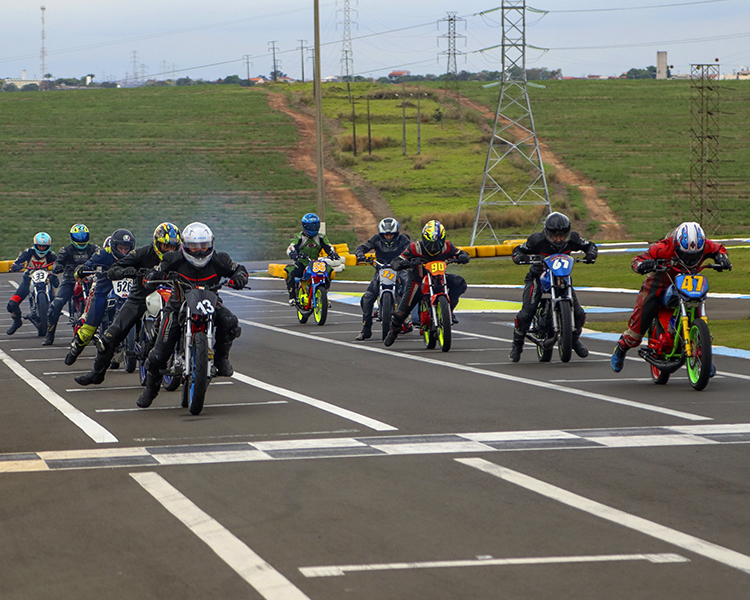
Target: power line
<point>589,10</point>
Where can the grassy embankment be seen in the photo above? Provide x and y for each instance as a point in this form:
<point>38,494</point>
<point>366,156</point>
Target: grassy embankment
<point>136,157</point>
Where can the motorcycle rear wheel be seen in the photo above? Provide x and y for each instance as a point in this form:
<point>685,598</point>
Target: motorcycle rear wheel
<point>386,312</point>
<point>565,343</point>
<point>660,377</point>
<point>699,365</point>
<point>302,315</point>
<point>198,381</point>
<point>444,324</point>
<point>539,325</point>
<point>320,311</point>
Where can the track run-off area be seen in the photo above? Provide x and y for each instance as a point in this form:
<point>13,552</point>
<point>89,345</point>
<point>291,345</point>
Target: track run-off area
<point>327,468</point>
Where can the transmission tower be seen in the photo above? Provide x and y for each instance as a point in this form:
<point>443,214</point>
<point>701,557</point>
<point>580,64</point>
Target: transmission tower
<point>451,52</point>
<point>347,56</point>
<point>44,48</point>
<point>513,135</point>
<point>704,146</point>
<point>134,58</point>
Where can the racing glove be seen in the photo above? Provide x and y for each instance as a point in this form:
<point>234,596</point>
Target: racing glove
<point>15,268</point>
<point>238,281</point>
<point>77,273</point>
<point>361,257</point>
<point>463,258</point>
<point>723,261</point>
<point>590,259</point>
<point>521,259</point>
<point>129,273</point>
<point>646,266</point>
<point>333,255</point>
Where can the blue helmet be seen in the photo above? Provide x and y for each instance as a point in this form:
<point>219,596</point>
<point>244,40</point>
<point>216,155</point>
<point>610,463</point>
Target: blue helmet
<point>42,243</point>
<point>79,235</point>
<point>311,224</point>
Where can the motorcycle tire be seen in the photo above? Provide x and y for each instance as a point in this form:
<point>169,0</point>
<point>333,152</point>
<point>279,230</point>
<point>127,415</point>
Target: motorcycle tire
<point>144,347</point>
<point>540,326</point>
<point>131,360</point>
<point>386,310</point>
<point>444,324</point>
<point>198,380</point>
<point>565,343</point>
<point>658,376</point>
<point>302,315</point>
<point>699,365</point>
<point>42,305</point>
<point>320,310</point>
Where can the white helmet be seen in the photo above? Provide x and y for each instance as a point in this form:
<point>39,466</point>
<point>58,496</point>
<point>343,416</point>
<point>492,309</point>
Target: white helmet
<point>689,243</point>
<point>197,244</point>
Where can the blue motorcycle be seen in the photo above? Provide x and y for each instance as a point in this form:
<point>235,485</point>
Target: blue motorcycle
<point>553,322</point>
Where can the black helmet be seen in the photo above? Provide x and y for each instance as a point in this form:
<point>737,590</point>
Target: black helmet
<point>557,230</point>
<point>388,226</point>
<point>121,242</point>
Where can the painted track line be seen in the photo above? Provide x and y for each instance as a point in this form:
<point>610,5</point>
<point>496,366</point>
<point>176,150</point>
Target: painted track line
<point>546,385</point>
<point>319,404</point>
<point>90,427</point>
<point>266,580</point>
<point>338,571</point>
<point>685,541</point>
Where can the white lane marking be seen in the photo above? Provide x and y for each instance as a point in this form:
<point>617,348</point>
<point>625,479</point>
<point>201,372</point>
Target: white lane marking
<point>735,375</point>
<point>58,359</point>
<point>121,410</point>
<point>685,541</point>
<point>339,570</point>
<point>43,349</point>
<point>319,404</point>
<point>601,380</point>
<point>266,580</point>
<point>90,427</point>
<point>546,385</point>
<point>65,372</point>
<point>127,387</point>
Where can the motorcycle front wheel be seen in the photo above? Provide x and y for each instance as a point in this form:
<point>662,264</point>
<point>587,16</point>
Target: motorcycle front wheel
<point>131,359</point>
<point>565,343</point>
<point>444,323</point>
<point>42,305</point>
<point>699,364</point>
<point>321,305</point>
<point>198,380</point>
<point>386,312</point>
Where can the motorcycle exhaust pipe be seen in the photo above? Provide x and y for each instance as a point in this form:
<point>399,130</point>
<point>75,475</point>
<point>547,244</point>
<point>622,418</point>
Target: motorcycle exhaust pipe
<point>668,366</point>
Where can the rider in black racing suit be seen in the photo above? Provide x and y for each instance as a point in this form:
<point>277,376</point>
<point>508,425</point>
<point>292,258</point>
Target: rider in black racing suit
<point>198,264</point>
<point>166,238</point>
<point>556,238</point>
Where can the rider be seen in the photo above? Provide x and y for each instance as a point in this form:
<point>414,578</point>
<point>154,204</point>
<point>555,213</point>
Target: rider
<point>166,239</point>
<point>118,245</point>
<point>76,253</point>
<point>197,263</point>
<point>37,257</point>
<point>432,246</point>
<point>687,245</point>
<point>556,238</point>
<point>304,247</point>
<point>387,244</point>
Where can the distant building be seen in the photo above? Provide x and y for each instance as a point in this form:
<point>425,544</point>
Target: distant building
<point>396,74</point>
<point>661,65</point>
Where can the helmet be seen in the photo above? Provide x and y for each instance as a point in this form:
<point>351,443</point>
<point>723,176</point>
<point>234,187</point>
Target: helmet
<point>689,243</point>
<point>557,230</point>
<point>168,235</point>
<point>311,224</point>
<point>105,244</point>
<point>197,244</point>
<point>433,237</point>
<point>42,243</point>
<point>388,227</point>
<point>79,235</point>
<point>121,243</point>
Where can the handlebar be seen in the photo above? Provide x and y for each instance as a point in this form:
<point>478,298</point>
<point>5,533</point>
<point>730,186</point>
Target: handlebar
<point>538,259</point>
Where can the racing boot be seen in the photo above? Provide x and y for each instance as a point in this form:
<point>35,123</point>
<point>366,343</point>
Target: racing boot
<point>221,359</point>
<point>93,376</point>
<point>75,349</point>
<point>50,339</point>
<point>150,391</point>
<point>517,346</point>
<point>17,322</point>
<point>365,334</point>
<point>618,357</point>
<point>578,347</point>
<point>391,336</point>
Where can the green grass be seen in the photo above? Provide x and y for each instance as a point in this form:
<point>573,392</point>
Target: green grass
<point>135,157</point>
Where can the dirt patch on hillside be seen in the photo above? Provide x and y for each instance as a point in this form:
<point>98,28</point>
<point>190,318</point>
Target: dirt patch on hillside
<point>598,209</point>
<point>362,219</point>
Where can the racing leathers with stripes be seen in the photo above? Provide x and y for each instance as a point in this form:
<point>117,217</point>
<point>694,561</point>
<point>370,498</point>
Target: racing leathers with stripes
<point>28,261</point>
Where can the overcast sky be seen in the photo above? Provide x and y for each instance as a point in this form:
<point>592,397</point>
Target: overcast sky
<point>208,40</point>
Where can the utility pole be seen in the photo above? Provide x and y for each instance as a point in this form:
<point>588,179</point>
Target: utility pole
<point>44,48</point>
<point>319,119</point>
<point>704,146</point>
<point>246,58</point>
<point>275,68</point>
<point>347,56</point>
<point>513,135</point>
<point>302,49</point>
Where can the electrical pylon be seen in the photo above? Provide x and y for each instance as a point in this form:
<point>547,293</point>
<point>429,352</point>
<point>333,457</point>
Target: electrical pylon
<point>347,55</point>
<point>43,56</point>
<point>704,146</point>
<point>451,52</point>
<point>513,135</point>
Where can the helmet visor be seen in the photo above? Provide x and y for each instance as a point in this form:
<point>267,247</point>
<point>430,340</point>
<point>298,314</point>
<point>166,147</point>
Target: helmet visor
<point>42,247</point>
<point>198,249</point>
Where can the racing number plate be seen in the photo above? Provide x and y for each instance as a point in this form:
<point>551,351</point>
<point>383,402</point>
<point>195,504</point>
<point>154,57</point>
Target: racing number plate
<point>436,267</point>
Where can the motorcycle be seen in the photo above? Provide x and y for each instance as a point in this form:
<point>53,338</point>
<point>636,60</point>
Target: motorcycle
<point>40,297</point>
<point>126,351</point>
<point>435,315</point>
<point>553,322</point>
<point>388,294</point>
<point>311,290</point>
<point>78,302</point>
<point>679,335</point>
<point>155,303</point>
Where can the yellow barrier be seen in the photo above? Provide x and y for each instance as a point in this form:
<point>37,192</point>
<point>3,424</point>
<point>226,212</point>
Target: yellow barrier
<point>485,251</point>
<point>5,265</point>
<point>503,250</point>
<point>471,250</point>
<point>350,260</point>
